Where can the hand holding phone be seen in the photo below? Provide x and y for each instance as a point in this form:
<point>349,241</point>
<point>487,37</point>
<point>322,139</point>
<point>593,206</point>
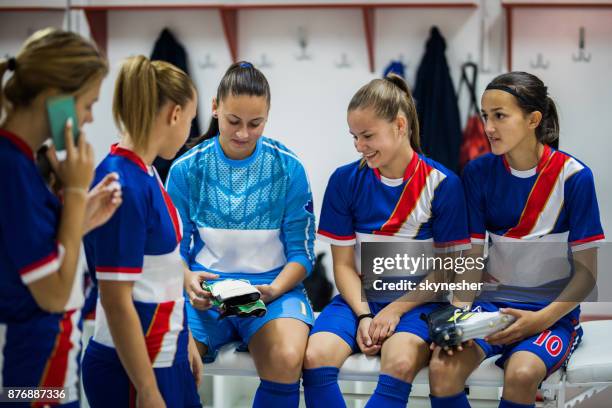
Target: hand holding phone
<point>76,171</point>
<point>59,109</point>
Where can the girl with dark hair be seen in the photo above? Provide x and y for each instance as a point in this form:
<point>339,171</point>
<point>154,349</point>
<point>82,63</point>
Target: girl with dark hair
<point>525,192</point>
<point>401,196</point>
<point>246,208</point>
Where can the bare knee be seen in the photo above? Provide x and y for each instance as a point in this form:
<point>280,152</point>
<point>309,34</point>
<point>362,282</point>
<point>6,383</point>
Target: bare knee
<point>318,356</point>
<point>523,377</point>
<point>403,367</point>
<point>288,358</point>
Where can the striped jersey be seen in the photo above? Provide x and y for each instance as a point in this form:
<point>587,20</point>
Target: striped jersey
<point>243,217</point>
<point>426,205</point>
<point>37,348</point>
<point>140,243</point>
<point>532,216</point>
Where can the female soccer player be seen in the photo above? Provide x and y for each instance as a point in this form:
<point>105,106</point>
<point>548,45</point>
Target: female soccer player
<point>247,214</point>
<point>40,236</point>
<point>393,194</point>
<point>533,201</point>
<point>139,351</point>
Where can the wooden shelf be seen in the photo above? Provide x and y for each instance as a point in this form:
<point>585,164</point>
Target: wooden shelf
<point>30,9</point>
<point>98,18</point>
<point>511,5</point>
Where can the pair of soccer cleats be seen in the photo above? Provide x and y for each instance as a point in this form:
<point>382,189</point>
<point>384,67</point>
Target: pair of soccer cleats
<point>451,326</point>
<point>235,298</point>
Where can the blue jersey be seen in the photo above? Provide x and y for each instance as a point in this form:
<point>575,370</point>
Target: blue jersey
<point>243,217</point>
<point>140,244</point>
<point>37,348</point>
<point>427,204</point>
<point>548,208</point>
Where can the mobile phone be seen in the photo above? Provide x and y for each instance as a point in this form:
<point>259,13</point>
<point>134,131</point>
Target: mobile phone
<point>59,109</point>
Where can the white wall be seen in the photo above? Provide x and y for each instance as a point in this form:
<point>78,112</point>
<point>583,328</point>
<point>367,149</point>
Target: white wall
<point>309,98</point>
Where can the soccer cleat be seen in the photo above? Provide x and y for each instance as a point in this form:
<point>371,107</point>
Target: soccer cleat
<point>451,326</point>
<point>236,298</point>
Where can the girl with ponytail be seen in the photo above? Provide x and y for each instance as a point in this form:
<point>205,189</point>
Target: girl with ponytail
<point>141,348</point>
<point>525,192</point>
<point>392,194</point>
<point>246,208</point>
<point>40,233</point>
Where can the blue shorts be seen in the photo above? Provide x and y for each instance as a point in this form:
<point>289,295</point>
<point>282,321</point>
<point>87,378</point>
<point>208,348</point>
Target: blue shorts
<point>338,318</point>
<point>107,384</point>
<point>208,329</point>
<point>43,351</point>
<point>553,346</point>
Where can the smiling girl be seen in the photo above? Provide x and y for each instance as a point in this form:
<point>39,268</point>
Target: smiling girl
<point>392,194</point>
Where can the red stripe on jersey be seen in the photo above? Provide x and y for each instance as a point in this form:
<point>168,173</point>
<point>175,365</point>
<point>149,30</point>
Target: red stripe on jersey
<point>546,153</point>
<point>407,201</point>
<point>334,236</point>
<point>589,239</point>
<point>477,236</point>
<point>539,195</point>
<point>54,374</point>
<point>160,325</point>
<point>130,155</point>
<point>409,169</point>
<point>33,266</point>
<point>18,143</point>
<point>117,269</point>
<point>172,212</point>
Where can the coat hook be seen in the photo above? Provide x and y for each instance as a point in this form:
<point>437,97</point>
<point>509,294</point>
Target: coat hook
<point>582,55</point>
<point>344,63</point>
<point>540,64</point>
<point>207,63</point>
<point>303,43</point>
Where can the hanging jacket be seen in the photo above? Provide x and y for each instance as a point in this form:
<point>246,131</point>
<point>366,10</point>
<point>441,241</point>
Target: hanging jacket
<point>475,142</point>
<point>436,103</point>
<point>168,49</point>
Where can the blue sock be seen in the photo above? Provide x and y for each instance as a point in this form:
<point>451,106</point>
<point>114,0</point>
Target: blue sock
<point>321,388</point>
<point>273,394</point>
<point>509,404</point>
<point>389,393</point>
<point>454,401</point>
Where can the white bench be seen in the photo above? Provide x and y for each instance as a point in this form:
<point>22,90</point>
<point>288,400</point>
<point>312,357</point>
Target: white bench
<point>590,367</point>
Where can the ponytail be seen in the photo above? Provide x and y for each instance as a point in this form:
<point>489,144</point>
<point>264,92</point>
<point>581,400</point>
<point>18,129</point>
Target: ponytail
<point>142,88</point>
<point>548,131</point>
<point>136,97</point>
<point>387,97</point>
<point>409,108</point>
